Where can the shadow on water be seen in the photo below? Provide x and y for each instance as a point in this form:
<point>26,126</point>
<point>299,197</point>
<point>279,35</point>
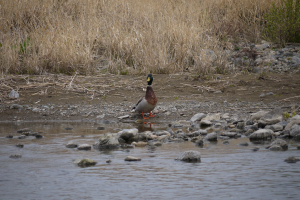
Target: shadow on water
<point>230,171</point>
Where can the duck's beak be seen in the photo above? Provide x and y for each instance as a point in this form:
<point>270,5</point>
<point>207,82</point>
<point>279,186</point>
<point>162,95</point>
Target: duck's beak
<point>148,79</point>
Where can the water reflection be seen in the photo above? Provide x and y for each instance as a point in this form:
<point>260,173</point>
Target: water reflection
<point>226,171</point>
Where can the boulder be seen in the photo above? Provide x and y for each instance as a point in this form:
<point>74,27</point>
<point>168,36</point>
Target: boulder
<point>275,127</point>
<point>258,115</point>
<point>213,117</point>
<point>275,148</point>
<point>261,134</point>
<point>107,142</point>
<point>292,123</point>
<point>190,156</point>
<point>205,123</point>
<point>273,116</point>
<point>72,144</point>
<point>292,159</point>
<point>295,132</point>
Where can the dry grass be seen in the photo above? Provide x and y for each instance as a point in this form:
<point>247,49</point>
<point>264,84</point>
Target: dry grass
<point>133,36</point>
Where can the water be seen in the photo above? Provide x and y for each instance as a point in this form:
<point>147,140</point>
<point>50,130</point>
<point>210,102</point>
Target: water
<point>46,171</point>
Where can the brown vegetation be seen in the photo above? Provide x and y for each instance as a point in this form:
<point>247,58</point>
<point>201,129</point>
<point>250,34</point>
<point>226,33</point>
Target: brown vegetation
<point>134,36</point>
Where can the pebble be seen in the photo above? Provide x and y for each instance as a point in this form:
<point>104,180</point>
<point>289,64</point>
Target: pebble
<point>84,147</point>
<point>15,156</point>
<point>20,145</point>
<point>131,158</point>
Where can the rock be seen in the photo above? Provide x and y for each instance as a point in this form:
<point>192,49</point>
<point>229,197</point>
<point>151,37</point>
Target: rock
<point>199,142</point>
<point>84,147</point>
<point>212,117</point>
<point>255,149</point>
<point>258,115</point>
<point>22,137</point>
<point>68,128</point>
<point>225,142</point>
<point>13,94</point>
<point>85,162</point>
<point>249,132</point>
<point>15,156</point>
<point>203,132</point>
<point>72,144</point>
<point>9,136</point>
<point>16,106</point>
<point>38,136</point>
<point>156,143</point>
<point>240,125</point>
<point>262,46</point>
<point>108,161</point>
<point>107,141</point>
<point>229,134</point>
<point>212,136</point>
<point>298,147</point>
<point>205,123</point>
<point>20,145</point>
<point>273,116</point>
<point>292,123</point>
<point>275,148</point>
<point>261,134</point>
<point>131,158</point>
<point>124,117</point>
<point>24,130</point>
<point>295,131</point>
<point>128,134</point>
<point>244,144</point>
<point>261,124</point>
<point>198,117</point>
<point>292,159</point>
<point>190,156</point>
<point>140,144</point>
<point>101,128</point>
<point>275,127</point>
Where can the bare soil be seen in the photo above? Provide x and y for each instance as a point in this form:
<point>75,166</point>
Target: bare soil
<point>115,89</point>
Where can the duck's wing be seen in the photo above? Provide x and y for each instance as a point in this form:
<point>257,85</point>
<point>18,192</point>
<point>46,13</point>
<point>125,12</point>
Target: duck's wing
<point>139,101</point>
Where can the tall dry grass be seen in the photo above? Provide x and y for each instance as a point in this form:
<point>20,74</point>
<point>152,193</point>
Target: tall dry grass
<point>133,36</point>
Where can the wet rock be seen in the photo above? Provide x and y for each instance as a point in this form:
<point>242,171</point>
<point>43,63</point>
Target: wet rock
<point>13,94</point>
<point>292,159</point>
<point>107,141</point>
<point>9,136</point>
<point>156,143</point>
<point>190,156</point>
<point>101,128</point>
<point>180,123</point>
<point>261,134</point>
<point>68,128</point>
<point>255,149</point>
<point>72,144</point>
<point>275,148</point>
<point>85,162</point>
<point>128,134</point>
<point>162,137</point>
<point>108,161</point>
<point>249,132</point>
<point>226,142</point>
<point>131,158</point>
<point>15,156</point>
<point>240,125</point>
<point>198,117</point>
<point>298,147</point>
<point>229,134</point>
<point>38,136</point>
<point>279,142</point>
<point>212,136</point>
<point>20,145</point>
<point>244,144</point>
<point>140,144</point>
<point>84,147</point>
<point>199,142</point>
<point>22,137</point>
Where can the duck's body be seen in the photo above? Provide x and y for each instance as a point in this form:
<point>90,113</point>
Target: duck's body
<point>147,103</point>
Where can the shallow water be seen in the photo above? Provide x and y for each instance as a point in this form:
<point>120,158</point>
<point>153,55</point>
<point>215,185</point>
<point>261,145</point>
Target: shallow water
<point>46,171</point>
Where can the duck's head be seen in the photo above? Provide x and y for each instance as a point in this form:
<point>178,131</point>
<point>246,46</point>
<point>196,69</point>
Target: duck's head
<point>149,79</point>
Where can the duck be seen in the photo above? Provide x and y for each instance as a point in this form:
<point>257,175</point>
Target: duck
<point>147,103</point>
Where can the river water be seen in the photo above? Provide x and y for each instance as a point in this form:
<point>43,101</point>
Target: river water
<point>46,169</point>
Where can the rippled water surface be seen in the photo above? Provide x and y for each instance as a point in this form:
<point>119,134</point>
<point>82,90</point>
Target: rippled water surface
<point>46,169</point>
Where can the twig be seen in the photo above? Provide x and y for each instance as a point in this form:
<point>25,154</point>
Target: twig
<point>70,84</point>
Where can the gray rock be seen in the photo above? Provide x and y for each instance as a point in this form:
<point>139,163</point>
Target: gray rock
<point>244,144</point>
<point>85,162</point>
<point>269,93</point>
<point>258,115</point>
<point>225,142</point>
<point>212,136</point>
<point>107,141</point>
<point>205,123</point>
<point>292,159</point>
<point>212,117</point>
<point>20,145</point>
<point>101,128</point>
<point>262,46</point>
<point>190,156</point>
<point>84,147</point>
<point>72,144</point>
<point>255,149</point>
<point>240,125</point>
<point>273,116</point>
<point>9,136</point>
<point>261,134</point>
<point>295,132</point>
<point>275,127</point>
<point>16,106</point>
<point>128,134</point>
<point>199,142</point>
<point>262,95</point>
<point>292,123</point>
<point>198,117</point>
<point>275,148</point>
<point>22,137</point>
<point>131,158</point>
<point>229,134</point>
<point>15,156</point>
<point>124,117</point>
<point>13,94</point>
<point>24,130</point>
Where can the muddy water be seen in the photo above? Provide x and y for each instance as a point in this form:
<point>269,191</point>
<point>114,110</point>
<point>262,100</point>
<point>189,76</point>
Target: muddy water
<point>46,171</point>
